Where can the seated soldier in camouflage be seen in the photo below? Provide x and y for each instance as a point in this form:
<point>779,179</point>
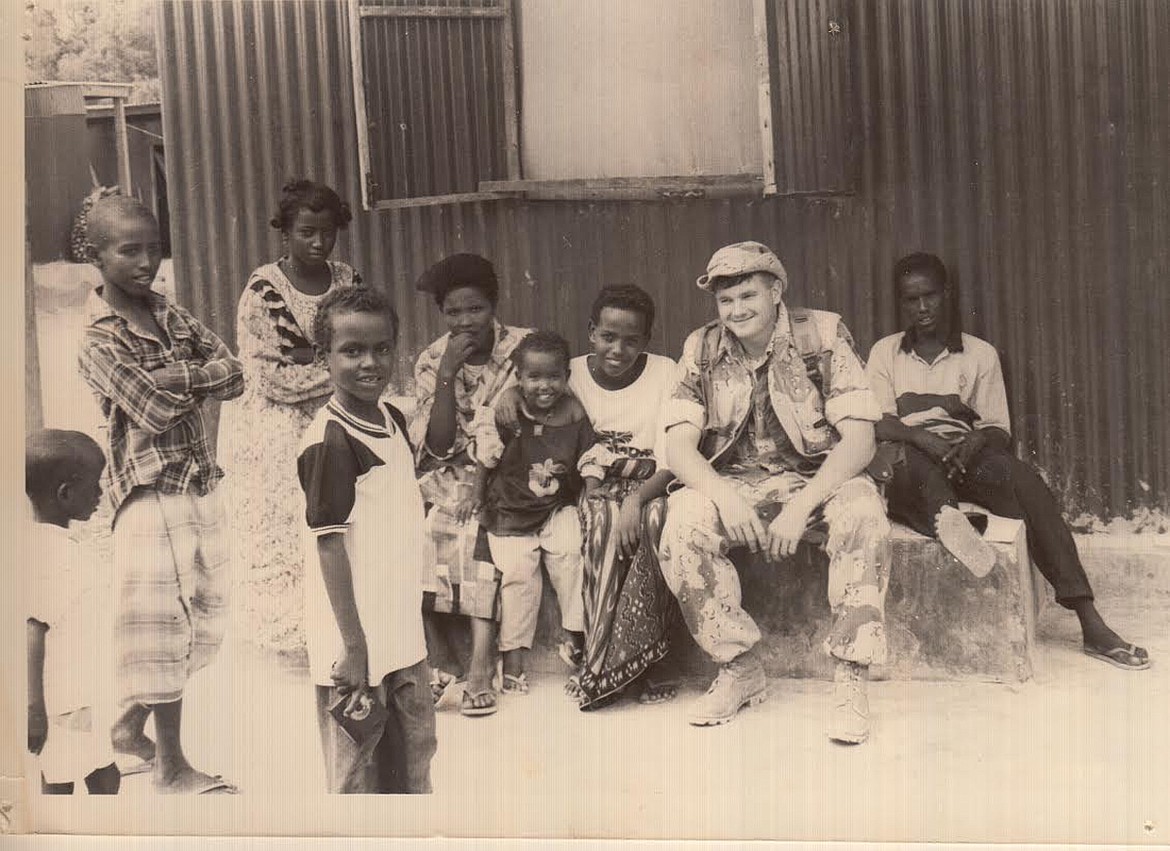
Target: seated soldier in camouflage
<point>772,412</point>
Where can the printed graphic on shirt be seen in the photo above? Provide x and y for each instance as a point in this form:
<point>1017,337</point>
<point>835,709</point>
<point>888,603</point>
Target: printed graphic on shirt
<point>620,443</point>
<point>615,452</point>
<point>542,477</point>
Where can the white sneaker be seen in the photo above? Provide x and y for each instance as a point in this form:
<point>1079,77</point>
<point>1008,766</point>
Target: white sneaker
<point>961,540</point>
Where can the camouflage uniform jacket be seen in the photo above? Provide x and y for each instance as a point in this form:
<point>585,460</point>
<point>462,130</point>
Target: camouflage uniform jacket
<point>808,416</point>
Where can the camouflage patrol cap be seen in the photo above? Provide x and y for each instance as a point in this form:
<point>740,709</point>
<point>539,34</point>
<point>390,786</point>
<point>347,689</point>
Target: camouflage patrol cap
<point>742,258</point>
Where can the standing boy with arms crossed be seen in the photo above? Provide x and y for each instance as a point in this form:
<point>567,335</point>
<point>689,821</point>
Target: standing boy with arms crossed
<point>152,366</point>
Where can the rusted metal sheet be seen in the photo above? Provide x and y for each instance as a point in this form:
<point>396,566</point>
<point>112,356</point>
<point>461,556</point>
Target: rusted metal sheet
<point>1024,141</point>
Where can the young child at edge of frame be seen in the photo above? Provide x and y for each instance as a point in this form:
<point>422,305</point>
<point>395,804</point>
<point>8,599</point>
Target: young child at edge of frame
<point>66,660</point>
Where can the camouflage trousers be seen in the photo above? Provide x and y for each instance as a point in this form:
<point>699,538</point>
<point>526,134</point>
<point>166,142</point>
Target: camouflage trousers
<point>697,569</point>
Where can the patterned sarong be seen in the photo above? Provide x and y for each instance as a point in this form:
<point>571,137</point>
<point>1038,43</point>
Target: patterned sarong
<point>628,607</point>
<point>462,580</point>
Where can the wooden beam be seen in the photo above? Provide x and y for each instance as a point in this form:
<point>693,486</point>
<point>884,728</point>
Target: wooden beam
<point>764,95</point>
<point>105,90</point>
<point>436,200</point>
<point>511,103</point>
<point>433,12</point>
<point>359,102</point>
<point>632,188</point>
<point>122,146</point>
<point>33,417</point>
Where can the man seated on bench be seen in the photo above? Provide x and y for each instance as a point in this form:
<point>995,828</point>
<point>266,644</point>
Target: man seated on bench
<point>772,413</point>
<point>945,408</point>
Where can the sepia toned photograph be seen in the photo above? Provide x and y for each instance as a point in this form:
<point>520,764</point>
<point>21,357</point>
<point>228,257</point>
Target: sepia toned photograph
<point>664,420</point>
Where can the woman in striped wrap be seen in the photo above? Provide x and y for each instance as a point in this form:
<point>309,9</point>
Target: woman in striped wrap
<point>285,386</point>
<point>628,608</point>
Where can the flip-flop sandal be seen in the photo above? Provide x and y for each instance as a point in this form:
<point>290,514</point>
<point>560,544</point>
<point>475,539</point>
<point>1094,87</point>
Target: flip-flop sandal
<point>467,704</point>
<point>441,683</point>
<point>142,766</point>
<point>218,786</point>
<point>570,655</point>
<point>573,688</point>
<point>515,684</point>
<point>653,693</point>
<point>1119,657</point>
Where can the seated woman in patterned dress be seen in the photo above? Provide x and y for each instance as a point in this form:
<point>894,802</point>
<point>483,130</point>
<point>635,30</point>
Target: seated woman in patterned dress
<point>458,379</point>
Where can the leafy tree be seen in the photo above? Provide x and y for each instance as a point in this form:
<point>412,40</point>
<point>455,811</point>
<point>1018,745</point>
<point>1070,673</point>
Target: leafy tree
<point>100,40</point>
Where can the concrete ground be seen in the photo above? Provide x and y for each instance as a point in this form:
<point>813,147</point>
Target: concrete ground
<point>1079,754</point>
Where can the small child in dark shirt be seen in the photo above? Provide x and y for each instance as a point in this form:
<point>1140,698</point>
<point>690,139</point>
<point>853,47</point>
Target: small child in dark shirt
<point>529,484</point>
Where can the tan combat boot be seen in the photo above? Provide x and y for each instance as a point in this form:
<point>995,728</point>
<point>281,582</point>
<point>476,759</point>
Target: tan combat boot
<point>740,683</point>
<point>849,722</point>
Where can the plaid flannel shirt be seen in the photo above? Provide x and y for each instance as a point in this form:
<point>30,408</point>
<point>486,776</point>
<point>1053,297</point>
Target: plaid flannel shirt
<point>155,437</point>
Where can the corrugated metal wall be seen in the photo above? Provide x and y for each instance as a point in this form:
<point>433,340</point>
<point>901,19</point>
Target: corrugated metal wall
<point>435,102</point>
<point>1025,141</point>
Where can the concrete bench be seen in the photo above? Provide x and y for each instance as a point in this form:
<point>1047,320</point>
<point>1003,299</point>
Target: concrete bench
<point>942,623</point>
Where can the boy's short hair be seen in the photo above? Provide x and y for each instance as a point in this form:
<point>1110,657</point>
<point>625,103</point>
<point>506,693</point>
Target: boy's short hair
<point>53,457</point>
<point>545,342</point>
<point>301,194</point>
<point>921,263</point>
<point>625,297</point>
<point>350,300</point>
<point>105,212</point>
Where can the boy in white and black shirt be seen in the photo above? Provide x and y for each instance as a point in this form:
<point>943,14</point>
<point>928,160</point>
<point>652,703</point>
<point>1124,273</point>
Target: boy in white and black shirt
<point>364,551</point>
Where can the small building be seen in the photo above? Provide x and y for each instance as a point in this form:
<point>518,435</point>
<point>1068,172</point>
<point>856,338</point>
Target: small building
<point>79,136</point>
<point>580,144</point>
<point>147,156</point>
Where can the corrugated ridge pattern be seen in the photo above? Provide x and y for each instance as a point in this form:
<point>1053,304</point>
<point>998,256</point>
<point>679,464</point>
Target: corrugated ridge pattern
<point>435,105</point>
<point>1025,141</point>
